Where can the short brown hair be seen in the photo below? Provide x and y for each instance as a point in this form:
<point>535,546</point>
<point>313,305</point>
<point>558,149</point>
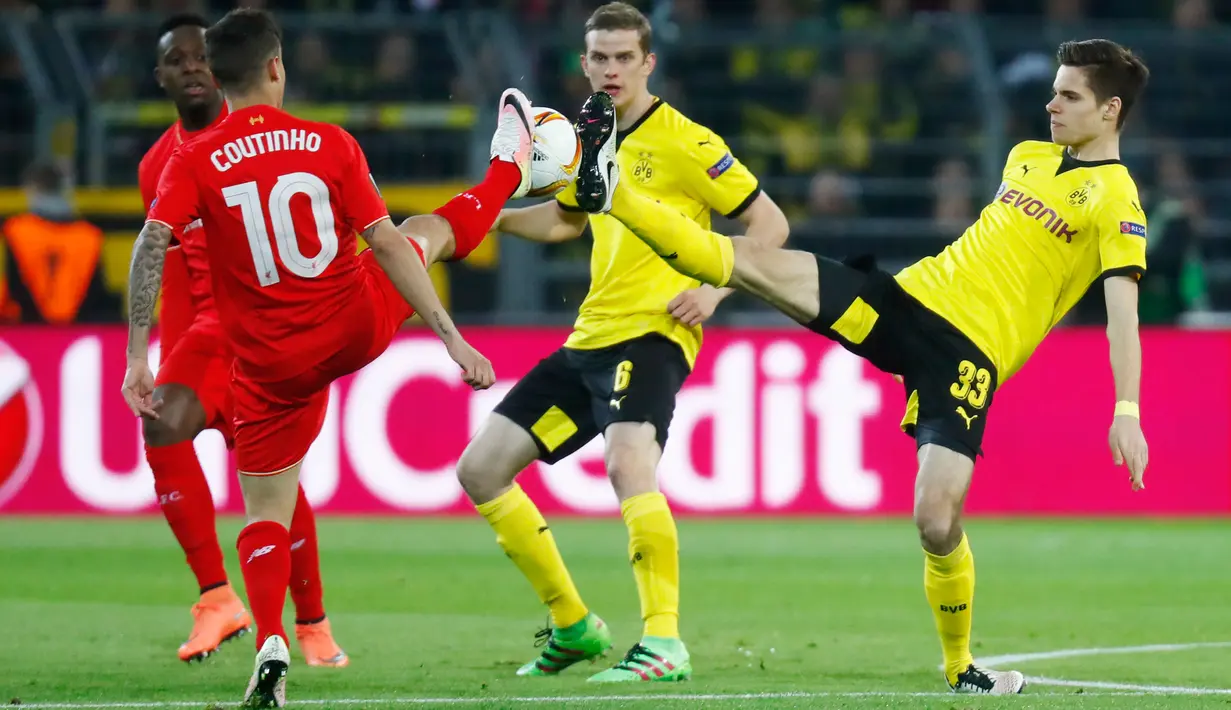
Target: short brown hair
<point>239,46</point>
<point>1112,71</point>
<point>621,16</point>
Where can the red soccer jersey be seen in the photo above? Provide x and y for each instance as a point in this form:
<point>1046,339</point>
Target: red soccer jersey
<point>281,200</point>
<point>185,300</point>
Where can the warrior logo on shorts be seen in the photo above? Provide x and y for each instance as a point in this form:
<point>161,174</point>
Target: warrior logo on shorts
<point>21,422</point>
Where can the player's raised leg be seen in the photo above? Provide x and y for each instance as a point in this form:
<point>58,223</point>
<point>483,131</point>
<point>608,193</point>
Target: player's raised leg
<point>487,471</point>
<point>185,500</point>
<point>632,456</point>
<point>471,214</point>
<point>949,569</point>
<point>312,628</point>
<point>783,278</point>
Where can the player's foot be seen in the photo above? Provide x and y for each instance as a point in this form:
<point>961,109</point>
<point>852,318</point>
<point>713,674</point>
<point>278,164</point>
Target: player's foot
<point>983,680</point>
<point>514,138</point>
<point>598,173</point>
<point>318,647</point>
<point>218,617</point>
<point>267,689</point>
<point>584,641</point>
<point>652,659</point>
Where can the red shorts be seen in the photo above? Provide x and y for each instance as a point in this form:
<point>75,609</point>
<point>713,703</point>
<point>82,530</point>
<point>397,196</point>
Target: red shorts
<point>200,361</point>
<point>276,420</point>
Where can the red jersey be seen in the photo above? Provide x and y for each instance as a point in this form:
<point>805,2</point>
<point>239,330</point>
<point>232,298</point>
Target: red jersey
<point>281,200</point>
<point>186,299</point>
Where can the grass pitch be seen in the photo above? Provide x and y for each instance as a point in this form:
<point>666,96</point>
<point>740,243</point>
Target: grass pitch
<point>794,614</point>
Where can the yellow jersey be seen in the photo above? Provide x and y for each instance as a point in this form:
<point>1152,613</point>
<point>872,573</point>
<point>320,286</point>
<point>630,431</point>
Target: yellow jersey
<point>1056,225</point>
<point>668,158</point>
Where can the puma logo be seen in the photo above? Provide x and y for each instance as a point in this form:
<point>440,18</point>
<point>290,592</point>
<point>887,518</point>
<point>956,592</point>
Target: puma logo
<point>672,255</point>
<point>1026,169</point>
<point>615,403</point>
<point>543,529</point>
<point>969,419</point>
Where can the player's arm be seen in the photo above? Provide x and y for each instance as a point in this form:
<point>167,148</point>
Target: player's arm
<point>713,174</point>
<point>1122,240</point>
<point>549,223</point>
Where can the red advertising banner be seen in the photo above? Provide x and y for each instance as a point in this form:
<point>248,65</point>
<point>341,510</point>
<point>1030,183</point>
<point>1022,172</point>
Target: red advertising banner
<point>770,423</point>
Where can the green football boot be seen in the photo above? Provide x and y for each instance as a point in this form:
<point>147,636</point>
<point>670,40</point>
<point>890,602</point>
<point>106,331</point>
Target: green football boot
<point>651,660</point>
<point>584,641</point>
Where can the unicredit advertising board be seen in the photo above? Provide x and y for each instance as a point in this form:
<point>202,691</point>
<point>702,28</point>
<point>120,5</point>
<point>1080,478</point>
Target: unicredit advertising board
<point>770,423</point>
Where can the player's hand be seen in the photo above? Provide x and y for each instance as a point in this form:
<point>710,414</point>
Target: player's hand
<point>476,370</point>
<point>1128,448</point>
<point>696,305</point>
<point>138,389</point>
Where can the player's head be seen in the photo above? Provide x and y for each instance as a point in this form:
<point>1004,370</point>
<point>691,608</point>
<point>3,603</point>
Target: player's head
<point>618,59</point>
<point>181,69</point>
<point>245,54</point>
<point>1096,87</point>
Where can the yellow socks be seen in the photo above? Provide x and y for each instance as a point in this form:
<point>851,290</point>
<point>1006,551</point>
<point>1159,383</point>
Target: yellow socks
<point>949,582</point>
<point>687,247</point>
<point>654,550</point>
<point>523,533</point>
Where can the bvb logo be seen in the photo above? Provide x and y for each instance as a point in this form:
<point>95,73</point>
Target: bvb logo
<point>643,170</point>
<point>1078,197</point>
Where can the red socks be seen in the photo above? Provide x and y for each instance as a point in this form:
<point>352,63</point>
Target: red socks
<point>183,495</point>
<point>306,590</point>
<point>472,213</point>
<point>265,556</point>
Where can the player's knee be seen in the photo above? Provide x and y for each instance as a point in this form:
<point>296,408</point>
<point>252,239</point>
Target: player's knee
<point>433,234</point>
<point>180,418</point>
<point>168,429</point>
<point>632,459</point>
<point>939,527</point>
<point>485,471</point>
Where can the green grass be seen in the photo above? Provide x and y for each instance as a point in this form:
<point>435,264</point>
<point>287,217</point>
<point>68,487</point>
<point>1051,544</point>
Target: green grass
<point>93,611</point>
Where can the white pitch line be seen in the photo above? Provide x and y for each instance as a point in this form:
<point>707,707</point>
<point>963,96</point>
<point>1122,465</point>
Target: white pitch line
<point>1115,689</point>
<point>1144,689</point>
<point>1010,658</point>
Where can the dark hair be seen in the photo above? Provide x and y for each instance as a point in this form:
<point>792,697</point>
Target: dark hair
<point>1111,70</point>
<point>621,16</point>
<point>45,177</point>
<point>239,46</point>
<point>185,19</point>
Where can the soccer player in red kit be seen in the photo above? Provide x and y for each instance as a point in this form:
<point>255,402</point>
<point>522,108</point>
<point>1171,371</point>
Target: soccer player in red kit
<point>193,387</point>
<point>281,200</point>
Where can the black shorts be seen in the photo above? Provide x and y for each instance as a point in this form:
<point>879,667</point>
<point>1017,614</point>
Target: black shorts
<point>949,381</point>
<point>572,395</point>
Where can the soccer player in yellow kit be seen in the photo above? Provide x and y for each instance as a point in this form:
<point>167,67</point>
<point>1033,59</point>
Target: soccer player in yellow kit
<point>635,340</point>
<point>955,326</point>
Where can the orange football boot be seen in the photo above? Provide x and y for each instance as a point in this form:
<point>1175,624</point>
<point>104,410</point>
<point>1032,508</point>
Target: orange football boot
<point>219,617</point>
<point>318,647</point>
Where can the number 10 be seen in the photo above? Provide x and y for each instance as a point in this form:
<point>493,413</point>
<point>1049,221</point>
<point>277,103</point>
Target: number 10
<point>247,198</point>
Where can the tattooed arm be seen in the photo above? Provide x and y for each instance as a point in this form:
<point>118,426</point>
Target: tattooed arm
<point>401,262</point>
<point>144,283</point>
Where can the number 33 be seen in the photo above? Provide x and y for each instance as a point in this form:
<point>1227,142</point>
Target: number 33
<point>972,384</point>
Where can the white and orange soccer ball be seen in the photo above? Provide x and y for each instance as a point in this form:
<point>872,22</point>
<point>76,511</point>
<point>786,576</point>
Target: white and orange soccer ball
<point>557,152</point>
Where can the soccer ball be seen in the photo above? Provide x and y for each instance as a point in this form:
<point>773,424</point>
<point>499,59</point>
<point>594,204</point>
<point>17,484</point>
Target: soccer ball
<point>557,151</point>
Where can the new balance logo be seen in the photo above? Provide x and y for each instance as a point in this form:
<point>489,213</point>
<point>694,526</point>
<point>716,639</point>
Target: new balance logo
<point>298,544</point>
<point>969,420</point>
<point>260,551</point>
<point>953,608</point>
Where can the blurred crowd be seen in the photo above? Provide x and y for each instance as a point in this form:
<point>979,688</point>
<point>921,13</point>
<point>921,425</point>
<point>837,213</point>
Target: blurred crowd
<point>850,111</point>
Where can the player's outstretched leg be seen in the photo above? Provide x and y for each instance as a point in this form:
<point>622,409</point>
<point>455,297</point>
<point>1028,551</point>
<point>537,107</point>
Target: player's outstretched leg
<point>186,503</point>
<point>487,469</point>
<point>949,569</point>
<point>312,629</point>
<point>471,214</point>
<point>785,279</point>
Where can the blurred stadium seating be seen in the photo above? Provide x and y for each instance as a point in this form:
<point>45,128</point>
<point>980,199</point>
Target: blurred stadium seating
<point>880,126</point>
